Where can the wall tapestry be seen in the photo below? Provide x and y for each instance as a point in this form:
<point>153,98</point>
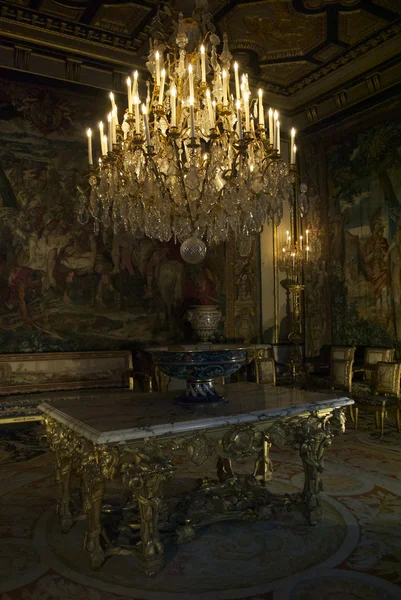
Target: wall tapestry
<point>353,289</point>
<point>364,186</point>
<point>62,287</point>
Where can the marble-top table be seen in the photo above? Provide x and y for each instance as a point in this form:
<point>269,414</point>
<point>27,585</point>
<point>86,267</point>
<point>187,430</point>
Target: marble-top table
<point>135,437</point>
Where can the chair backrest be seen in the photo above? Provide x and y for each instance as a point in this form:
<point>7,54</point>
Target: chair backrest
<point>374,356</point>
<point>387,379</point>
<point>342,353</point>
<point>266,371</point>
<point>341,374</point>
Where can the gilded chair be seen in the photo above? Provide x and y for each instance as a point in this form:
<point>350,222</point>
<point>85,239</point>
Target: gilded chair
<point>342,353</point>
<point>341,374</point>
<point>372,357</point>
<point>386,398</point>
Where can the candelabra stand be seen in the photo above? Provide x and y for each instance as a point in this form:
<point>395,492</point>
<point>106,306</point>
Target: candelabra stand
<point>294,258</point>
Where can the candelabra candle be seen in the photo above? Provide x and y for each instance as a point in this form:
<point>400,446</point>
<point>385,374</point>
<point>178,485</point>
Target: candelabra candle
<point>129,91</point>
<point>90,156</point>
<point>239,120</point>
<point>270,126</point>
<point>113,103</point>
<point>135,85</point>
<point>307,237</point>
<point>307,253</point>
<point>162,81</point>
<point>101,136</point>
<point>173,96</point>
<point>224,75</point>
<point>260,111</point>
<point>110,132</point>
<point>104,145</point>
<point>203,63</point>
<point>114,124</point>
<point>278,138</point>
<point>236,76</point>
<point>146,124</point>
<point>137,121</point>
<point>210,109</point>
<point>157,65</point>
<point>192,116</point>
<point>300,242</point>
<point>191,81</point>
<point>292,158</point>
<point>275,118</point>
<point>246,110</point>
<point>295,154</point>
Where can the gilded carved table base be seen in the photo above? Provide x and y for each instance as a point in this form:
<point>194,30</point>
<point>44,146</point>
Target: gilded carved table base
<point>143,469</point>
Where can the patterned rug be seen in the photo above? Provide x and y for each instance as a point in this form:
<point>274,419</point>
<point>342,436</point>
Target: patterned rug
<point>353,553</point>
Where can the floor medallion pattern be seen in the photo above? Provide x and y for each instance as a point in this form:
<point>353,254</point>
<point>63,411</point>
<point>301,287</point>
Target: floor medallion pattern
<point>353,553</point>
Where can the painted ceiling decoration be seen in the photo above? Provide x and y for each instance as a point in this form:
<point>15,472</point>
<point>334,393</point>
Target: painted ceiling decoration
<point>292,47</point>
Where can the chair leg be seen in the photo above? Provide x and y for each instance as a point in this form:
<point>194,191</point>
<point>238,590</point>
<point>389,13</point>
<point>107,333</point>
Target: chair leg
<point>356,417</point>
<point>351,414</point>
<point>382,417</point>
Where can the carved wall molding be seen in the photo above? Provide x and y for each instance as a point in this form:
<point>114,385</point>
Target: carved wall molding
<point>22,58</point>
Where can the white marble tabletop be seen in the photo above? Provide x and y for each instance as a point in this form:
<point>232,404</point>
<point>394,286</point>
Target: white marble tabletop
<point>118,416</point>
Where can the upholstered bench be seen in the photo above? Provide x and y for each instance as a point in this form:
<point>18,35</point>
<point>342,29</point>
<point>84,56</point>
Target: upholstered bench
<point>26,378</point>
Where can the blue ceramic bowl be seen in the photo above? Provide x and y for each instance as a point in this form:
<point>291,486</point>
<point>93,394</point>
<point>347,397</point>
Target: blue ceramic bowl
<point>199,365</point>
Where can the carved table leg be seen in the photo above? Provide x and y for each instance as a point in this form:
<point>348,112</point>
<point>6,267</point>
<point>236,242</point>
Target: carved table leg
<point>92,537</point>
<point>63,473</point>
<point>144,478</point>
<point>312,442</point>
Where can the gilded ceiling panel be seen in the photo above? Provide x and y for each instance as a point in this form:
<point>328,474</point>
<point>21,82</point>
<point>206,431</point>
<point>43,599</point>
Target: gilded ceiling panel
<point>121,18</point>
<point>394,5</point>
<point>355,26</point>
<point>59,9</point>
<point>276,28</point>
<point>286,73</point>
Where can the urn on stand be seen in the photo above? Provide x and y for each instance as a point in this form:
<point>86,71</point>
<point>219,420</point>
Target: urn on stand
<point>205,320</point>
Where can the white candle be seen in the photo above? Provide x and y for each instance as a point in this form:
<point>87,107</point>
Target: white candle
<point>135,84</point>
<point>137,122</point>
<point>110,132</point>
<point>115,123</point>
<point>300,241</point>
<point>210,109</point>
<point>157,57</point>
<point>239,120</point>
<point>129,94</point>
<point>146,124</point>
<point>295,154</point>
<point>275,117</point>
<point>105,143</point>
<point>278,137</point>
<point>261,113</point>
<point>113,103</point>
<point>101,137</point>
<point>191,81</point>
<point>246,109</point>
<point>292,159</point>
<point>173,96</point>
<point>243,85</point>
<point>237,92</point>
<point>163,79</point>
<point>270,125</point>
<point>224,74</point>
<point>307,253</point>
<point>192,116</point>
<point>89,134</point>
<point>203,63</point>
<point>307,237</point>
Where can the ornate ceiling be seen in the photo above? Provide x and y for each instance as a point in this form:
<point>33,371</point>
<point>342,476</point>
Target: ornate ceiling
<point>303,51</point>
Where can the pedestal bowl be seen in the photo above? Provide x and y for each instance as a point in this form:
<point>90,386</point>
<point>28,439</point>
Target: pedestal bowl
<point>199,365</point>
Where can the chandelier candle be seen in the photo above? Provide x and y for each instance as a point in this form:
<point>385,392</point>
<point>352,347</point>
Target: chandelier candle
<point>292,159</point>
<point>153,182</point>
<point>90,156</point>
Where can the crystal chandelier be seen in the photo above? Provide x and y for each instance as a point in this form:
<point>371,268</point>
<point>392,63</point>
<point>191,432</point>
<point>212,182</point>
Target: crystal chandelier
<point>194,161</point>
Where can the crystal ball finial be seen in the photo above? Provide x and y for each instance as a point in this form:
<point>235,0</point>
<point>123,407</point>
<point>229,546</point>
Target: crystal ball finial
<point>193,250</point>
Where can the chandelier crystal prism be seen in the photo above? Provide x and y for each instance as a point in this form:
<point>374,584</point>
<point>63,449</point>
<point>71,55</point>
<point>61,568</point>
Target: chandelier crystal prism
<point>194,161</point>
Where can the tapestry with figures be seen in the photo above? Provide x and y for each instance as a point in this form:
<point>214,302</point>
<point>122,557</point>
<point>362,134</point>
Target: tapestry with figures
<point>356,198</point>
<point>63,287</point>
